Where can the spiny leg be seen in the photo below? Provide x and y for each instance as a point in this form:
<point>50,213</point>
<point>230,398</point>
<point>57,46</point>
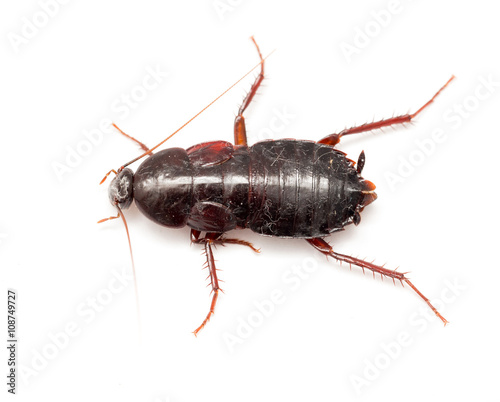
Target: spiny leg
<point>240,132</point>
<point>325,248</point>
<point>144,147</point>
<point>334,139</point>
<point>209,240</point>
<point>213,278</point>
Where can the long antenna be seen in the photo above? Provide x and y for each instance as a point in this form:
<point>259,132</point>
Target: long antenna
<point>195,116</point>
<point>136,290</point>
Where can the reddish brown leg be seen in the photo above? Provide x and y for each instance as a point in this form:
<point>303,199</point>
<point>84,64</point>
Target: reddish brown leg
<point>325,248</point>
<point>208,240</point>
<point>225,240</point>
<point>107,174</point>
<point>334,139</point>
<point>144,147</point>
<point>195,238</point>
<point>240,132</point>
<point>195,235</point>
<point>108,219</point>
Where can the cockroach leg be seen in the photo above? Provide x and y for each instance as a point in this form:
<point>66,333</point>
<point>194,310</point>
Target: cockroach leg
<point>208,240</point>
<point>240,132</point>
<point>195,235</point>
<point>225,240</point>
<point>325,248</point>
<point>195,238</point>
<point>334,139</point>
<point>108,219</point>
<point>144,147</point>
<point>107,174</point>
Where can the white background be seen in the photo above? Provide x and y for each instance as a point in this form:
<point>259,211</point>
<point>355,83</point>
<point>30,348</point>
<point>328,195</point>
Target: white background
<point>336,336</point>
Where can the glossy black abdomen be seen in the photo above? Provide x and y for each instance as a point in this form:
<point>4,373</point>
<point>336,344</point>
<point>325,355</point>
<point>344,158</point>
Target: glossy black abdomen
<point>301,189</point>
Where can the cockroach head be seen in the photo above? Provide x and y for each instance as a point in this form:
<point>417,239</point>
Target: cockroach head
<point>121,190</point>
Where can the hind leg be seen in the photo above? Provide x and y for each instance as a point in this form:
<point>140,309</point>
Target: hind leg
<point>334,139</point>
<point>322,246</point>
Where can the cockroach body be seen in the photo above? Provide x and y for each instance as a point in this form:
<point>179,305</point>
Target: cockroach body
<point>283,188</point>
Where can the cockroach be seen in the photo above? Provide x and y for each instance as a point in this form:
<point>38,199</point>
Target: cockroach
<point>283,188</point>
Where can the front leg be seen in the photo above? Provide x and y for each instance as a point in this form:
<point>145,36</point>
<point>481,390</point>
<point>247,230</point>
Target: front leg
<point>240,132</point>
